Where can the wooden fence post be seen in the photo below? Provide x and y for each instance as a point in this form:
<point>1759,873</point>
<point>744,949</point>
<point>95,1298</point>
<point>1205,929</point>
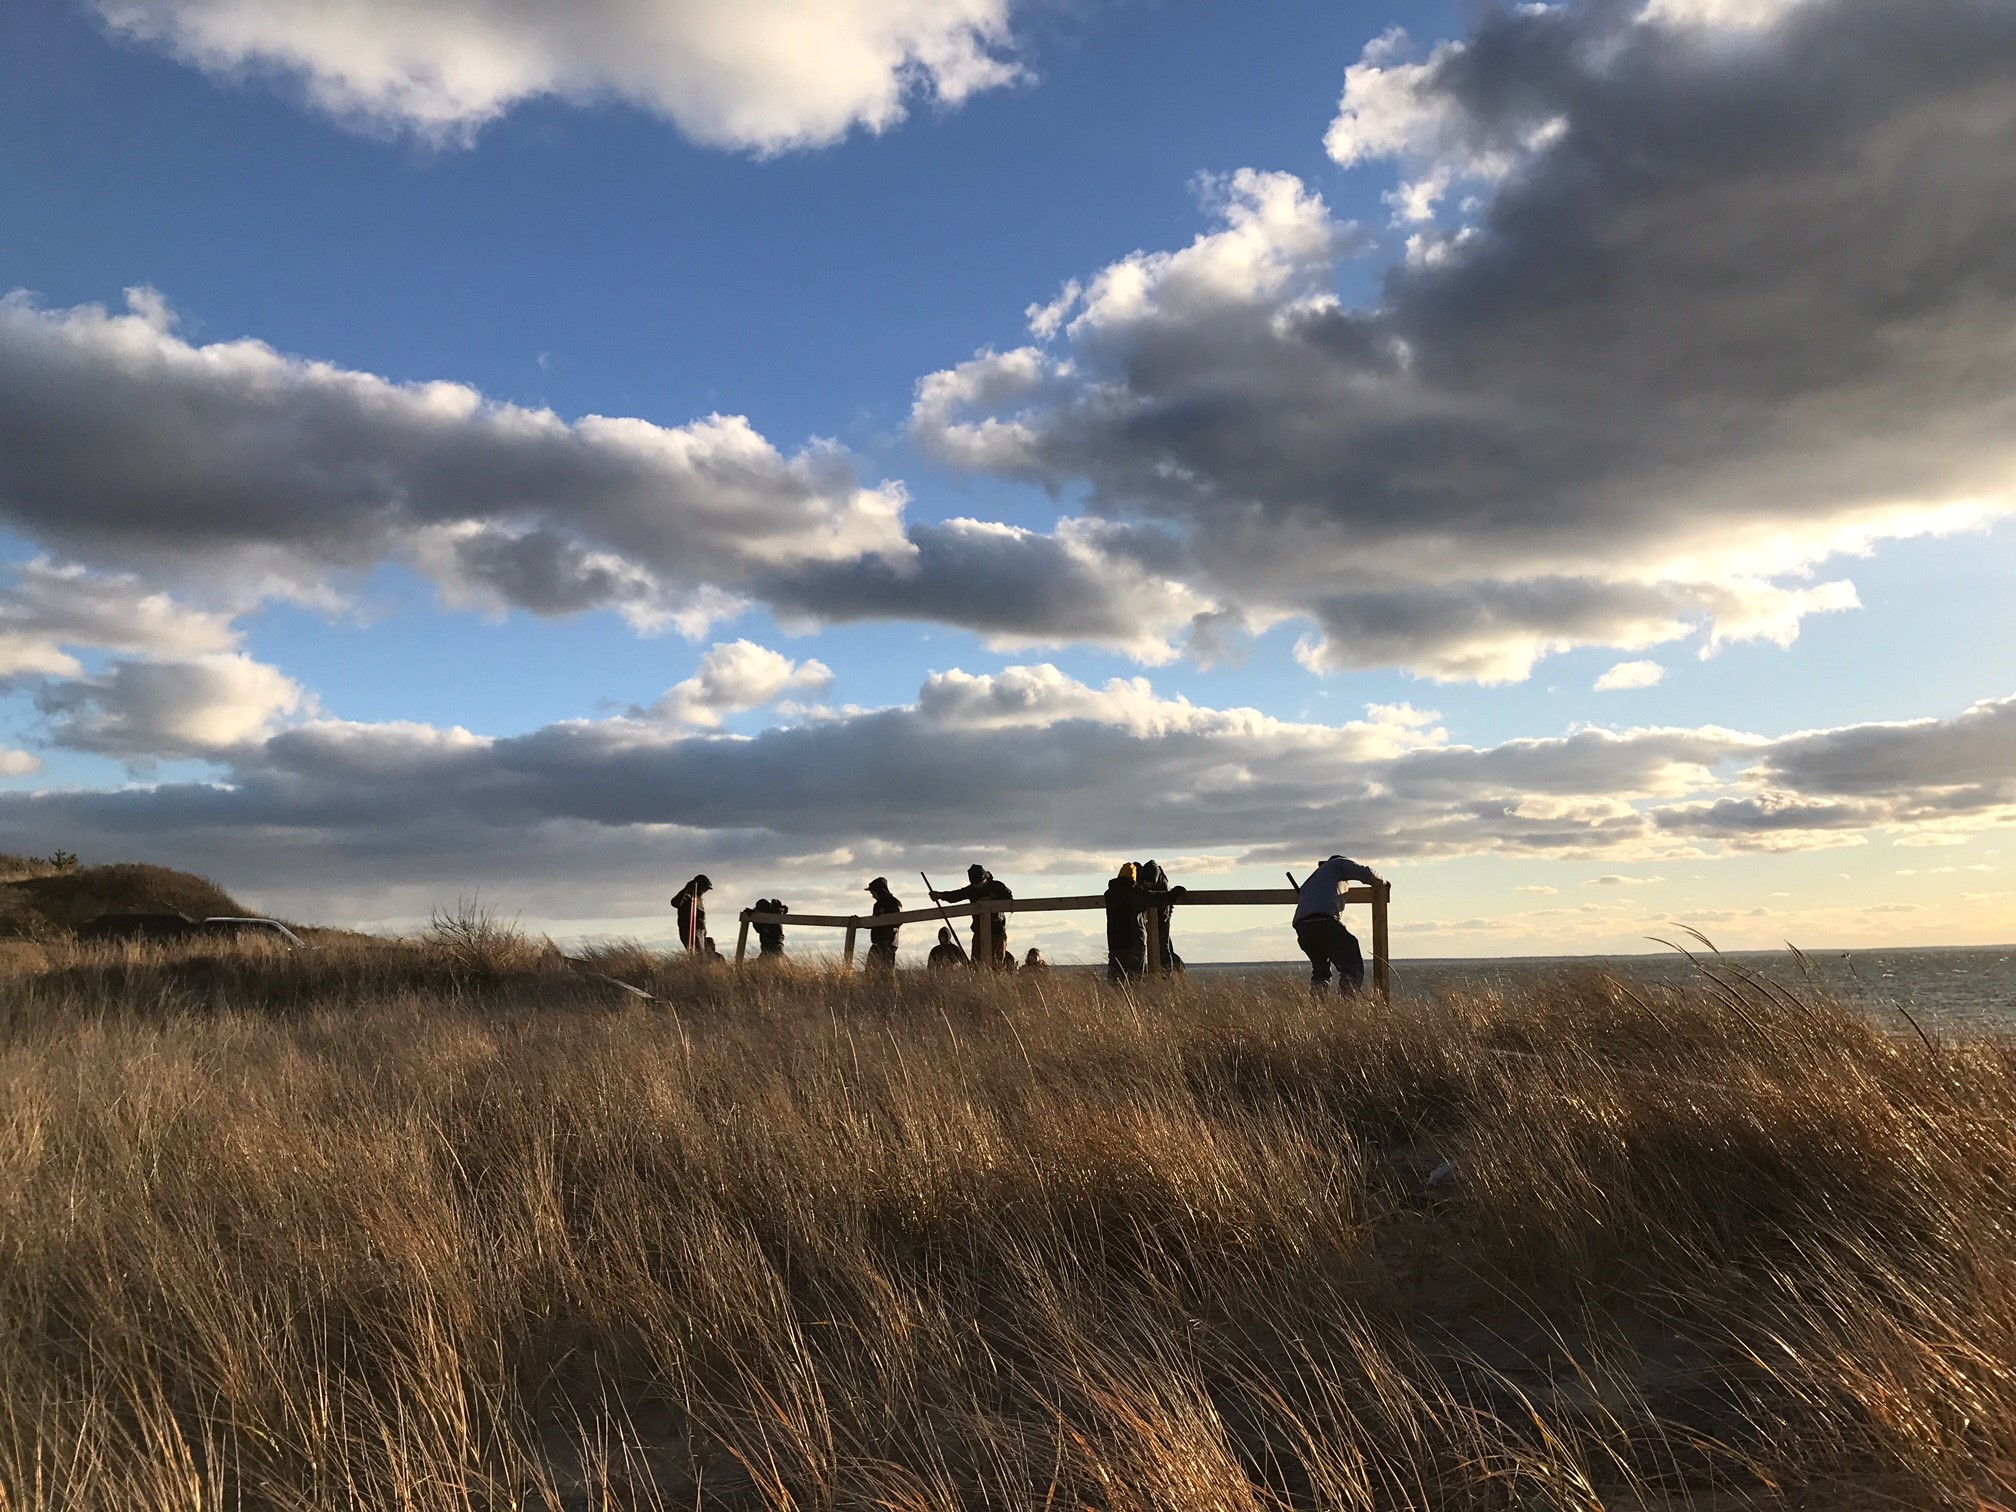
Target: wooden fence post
<point>742,939</point>
<point>1152,918</point>
<point>1382,964</point>
<point>847,949</point>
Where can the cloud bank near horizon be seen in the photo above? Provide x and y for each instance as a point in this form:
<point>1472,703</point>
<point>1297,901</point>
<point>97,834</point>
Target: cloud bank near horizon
<point>400,816</point>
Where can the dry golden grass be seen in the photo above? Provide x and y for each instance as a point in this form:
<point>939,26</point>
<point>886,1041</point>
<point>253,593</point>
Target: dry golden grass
<point>44,899</point>
<point>450,1226</point>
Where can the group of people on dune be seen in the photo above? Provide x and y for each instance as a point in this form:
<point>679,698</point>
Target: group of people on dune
<point>1136,890</point>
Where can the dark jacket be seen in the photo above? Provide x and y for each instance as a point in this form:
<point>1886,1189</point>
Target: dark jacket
<point>983,892</point>
<point>770,937</point>
<point>1153,877</point>
<point>945,955</point>
<point>1126,930</point>
<point>692,912</point>
<point>885,937</point>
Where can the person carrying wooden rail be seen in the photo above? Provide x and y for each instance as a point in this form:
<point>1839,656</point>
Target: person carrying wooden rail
<point>692,913</point>
<point>882,938</point>
<point>990,930</point>
<point>1319,925</point>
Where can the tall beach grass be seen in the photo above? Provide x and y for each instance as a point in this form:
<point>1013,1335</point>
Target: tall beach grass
<point>448,1224</point>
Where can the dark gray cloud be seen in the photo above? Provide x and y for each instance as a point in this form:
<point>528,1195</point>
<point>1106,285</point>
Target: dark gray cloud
<point>1970,760</point>
<point>1731,300</point>
<point>118,441</point>
<point>1019,587</point>
<point>232,471</point>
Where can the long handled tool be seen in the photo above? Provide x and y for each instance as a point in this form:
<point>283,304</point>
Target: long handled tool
<point>933,893</point>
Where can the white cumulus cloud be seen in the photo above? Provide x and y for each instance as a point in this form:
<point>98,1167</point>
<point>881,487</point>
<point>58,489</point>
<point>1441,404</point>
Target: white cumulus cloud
<point>761,74</point>
<point>143,710</point>
<point>735,677</point>
<point>1626,676</point>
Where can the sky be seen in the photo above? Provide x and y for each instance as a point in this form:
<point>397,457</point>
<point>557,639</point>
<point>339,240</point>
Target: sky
<point>1562,455</point>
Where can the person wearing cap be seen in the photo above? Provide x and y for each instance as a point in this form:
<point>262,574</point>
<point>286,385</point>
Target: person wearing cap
<point>946,952</point>
<point>1127,900</point>
<point>990,931</point>
<point>882,938</point>
<point>1319,926</point>
<point>692,913</point>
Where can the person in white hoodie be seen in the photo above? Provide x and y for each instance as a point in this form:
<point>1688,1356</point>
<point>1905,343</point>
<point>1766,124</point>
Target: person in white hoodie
<point>1320,930</point>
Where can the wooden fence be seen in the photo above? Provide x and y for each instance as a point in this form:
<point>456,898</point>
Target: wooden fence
<point>1378,896</point>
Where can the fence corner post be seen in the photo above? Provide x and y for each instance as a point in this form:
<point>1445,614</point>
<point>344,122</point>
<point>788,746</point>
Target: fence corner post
<point>847,949</point>
<point>742,939</point>
<point>1382,964</point>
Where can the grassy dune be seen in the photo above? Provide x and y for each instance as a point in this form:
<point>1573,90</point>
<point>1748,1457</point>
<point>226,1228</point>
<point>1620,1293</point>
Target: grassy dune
<point>450,1226</point>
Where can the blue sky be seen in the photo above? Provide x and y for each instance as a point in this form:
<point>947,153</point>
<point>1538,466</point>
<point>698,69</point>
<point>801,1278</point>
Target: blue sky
<point>1461,458</point>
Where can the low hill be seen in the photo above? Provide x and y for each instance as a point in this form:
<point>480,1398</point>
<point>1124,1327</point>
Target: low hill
<point>38,898</point>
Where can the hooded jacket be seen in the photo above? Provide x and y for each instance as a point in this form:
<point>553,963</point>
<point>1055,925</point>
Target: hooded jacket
<point>691,911</point>
<point>885,903</point>
<point>1126,930</point>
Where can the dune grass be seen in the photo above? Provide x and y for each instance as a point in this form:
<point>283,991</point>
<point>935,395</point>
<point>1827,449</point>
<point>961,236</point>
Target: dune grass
<point>449,1225</point>
<point>45,898</point>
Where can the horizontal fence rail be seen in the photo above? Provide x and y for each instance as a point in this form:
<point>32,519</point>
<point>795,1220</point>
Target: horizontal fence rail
<point>1378,897</point>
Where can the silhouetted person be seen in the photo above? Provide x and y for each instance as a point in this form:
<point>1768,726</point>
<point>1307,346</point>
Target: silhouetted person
<point>1154,878</point>
<point>946,952</point>
<point>692,913</point>
<point>708,953</point>
<point>1126,931</point>
<point>981,887</point>
<point>1320,931</point>
<point>1034,961</point>
<point>882,938</point>
<point>770,937</point>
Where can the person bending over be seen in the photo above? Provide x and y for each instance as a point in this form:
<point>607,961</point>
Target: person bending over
<point>1319,927</point>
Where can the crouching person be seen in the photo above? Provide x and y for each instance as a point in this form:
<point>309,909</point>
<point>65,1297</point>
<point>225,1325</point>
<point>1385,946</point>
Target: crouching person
<point>1319,925</point>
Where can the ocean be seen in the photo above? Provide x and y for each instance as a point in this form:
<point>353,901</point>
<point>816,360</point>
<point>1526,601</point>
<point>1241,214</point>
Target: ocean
<point>1960,988</point>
